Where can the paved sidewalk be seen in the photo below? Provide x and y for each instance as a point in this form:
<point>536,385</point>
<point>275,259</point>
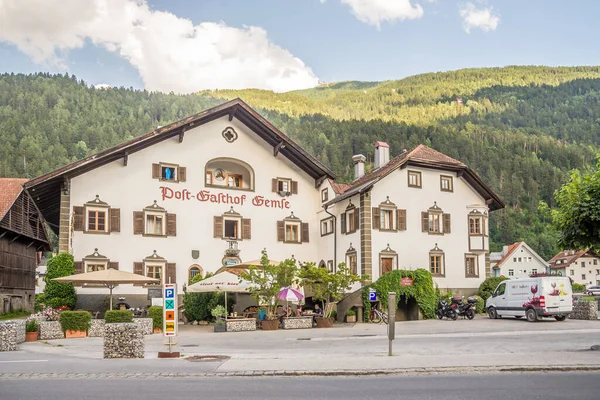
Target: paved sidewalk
<point>420,346</point>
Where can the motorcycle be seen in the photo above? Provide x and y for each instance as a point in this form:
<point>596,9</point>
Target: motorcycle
<point>463,309</point>
<point>444,310</point>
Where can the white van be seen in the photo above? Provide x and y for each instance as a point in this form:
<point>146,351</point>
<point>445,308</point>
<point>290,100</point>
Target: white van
<point>533,298</point>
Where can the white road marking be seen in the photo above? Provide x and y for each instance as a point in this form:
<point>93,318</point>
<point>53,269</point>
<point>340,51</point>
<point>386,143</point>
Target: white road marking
<point>22,361</point>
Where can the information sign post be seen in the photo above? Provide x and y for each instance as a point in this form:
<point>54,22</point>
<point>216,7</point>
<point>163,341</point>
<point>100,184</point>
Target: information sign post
<point>170,313</point>
<point>391,320</point>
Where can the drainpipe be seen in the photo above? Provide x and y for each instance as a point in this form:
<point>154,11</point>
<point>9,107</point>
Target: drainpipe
<point>334,237</point>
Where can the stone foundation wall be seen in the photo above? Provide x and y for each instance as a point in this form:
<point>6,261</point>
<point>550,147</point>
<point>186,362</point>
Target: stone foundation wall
<point>50,330</point>
<point>96,328</point>
<point>123,340</point>
<point>239,325</point>
<point>144,325</point>
<point>8,336</point>
<point>298,323</point>
<point>587,310</point>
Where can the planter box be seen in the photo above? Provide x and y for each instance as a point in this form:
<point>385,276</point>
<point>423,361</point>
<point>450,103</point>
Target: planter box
<point>123,340</point>
<point>220,328</point>
<point>8,336</point>
<point>144,325</point>
<point>31,336</point>
<point>240,325</point>
<point>298,323</point>
<point>350,318</point>
<point>75,334</point>
<point>270,325</point>
<point>324,322</point>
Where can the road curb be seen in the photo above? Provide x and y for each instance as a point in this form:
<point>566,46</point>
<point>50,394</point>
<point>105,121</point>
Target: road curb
<point>354,373</point>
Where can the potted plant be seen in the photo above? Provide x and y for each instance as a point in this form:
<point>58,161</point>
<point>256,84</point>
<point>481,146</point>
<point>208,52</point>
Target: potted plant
<point>219,312</point>
<point>156,313</point>
<point>328,287</point>
<point>31,330</point>
<point>351,316</point>
<point>75,323</point>
<point>267,281</point>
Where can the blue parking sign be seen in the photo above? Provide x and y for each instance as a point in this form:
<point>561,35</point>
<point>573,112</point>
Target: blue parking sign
<point>373,296</point>
<point>169,293</point>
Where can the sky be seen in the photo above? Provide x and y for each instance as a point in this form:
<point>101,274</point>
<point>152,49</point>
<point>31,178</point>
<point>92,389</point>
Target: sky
<point>184,46</point>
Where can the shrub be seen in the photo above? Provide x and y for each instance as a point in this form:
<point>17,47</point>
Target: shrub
<point>116,316</point>
<point>156,313</point>
<point>588,298</point>
<point>219,312</point>
<point>60,294</point>
<point>75,320</point>
<point>31,325</point>
<point>489,285</point>
<point>198,306</point>
<point>350,313</point>
<point>333,314</point>
<point>578,288</point>
<point>14,314</point>
<point>480,305</point>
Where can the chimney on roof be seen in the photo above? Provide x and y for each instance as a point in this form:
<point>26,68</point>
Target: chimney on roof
<point>382,154</point>
<point>359,165</point>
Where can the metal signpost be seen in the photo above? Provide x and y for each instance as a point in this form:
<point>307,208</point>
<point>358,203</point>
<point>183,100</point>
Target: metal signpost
<point>391,320</point>
<point>170,313</point>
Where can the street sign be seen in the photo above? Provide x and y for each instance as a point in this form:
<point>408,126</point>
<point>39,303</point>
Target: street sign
<point>154,293</point>
<point>170,310</point>
<point>372,295</point>
<point>406,281</point>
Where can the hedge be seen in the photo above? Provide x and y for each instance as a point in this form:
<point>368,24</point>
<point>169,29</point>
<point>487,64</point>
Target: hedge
<point>60,294</point>
<point>116,316</point>
<point>421,290</point>
<point>75,320</point>
<point>577,287</point>
<point>156,313</point>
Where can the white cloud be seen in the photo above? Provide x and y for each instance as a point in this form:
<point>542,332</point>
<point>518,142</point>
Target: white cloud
<point>478,18</point>
<point>170,53</point>
<point>374,12</point>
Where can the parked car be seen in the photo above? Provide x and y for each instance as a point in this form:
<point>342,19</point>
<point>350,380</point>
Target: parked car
<point>533,298</point>
<point>593,290</point>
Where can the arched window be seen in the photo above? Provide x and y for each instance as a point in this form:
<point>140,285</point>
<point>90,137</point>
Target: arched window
<point>231,173</point>
<point>322,264</point>
<point>194,270</point>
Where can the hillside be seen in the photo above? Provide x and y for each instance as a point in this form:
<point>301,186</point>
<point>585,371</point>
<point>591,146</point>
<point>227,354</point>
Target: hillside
<point>521,128</point>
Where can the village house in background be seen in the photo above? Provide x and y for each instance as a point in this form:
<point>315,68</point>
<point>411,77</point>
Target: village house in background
<point>582,266</point>
<point>23,237</point>
<point>216,188</point>
<point>517,261</point>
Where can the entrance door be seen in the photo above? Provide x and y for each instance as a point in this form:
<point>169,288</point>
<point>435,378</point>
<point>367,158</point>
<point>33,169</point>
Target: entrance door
<point>386,265</point>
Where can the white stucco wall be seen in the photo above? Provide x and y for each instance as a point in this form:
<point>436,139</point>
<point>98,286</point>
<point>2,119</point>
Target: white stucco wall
<point>131,188</point>
<point>592,277</point>
<point>413,245</point>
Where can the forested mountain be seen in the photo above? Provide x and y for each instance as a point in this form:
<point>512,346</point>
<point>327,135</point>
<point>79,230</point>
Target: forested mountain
<point>521,128</point>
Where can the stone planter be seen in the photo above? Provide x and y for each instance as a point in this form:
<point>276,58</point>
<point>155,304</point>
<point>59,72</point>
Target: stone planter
<point>20,325</point>
<point>298,323</point>
<point>123,340</point>
<point>144,325</point>
<point>240,325</point>
<point>8,336</point>
<point>220,328</point>
<point>69,334</point>
<point>50,330</point>
<point>350,318</point>
<point>324,322</point>
<point>586,310</point>
<point>96,328</point>
<point>270,324</point>
<point>31,336</point>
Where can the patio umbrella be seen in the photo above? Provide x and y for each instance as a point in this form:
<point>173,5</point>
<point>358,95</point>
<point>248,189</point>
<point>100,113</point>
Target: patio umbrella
<point>221,282</point>
<point>109,277</point>
<point>289,294</point>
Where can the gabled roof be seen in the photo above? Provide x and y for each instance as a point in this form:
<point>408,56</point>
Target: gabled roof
<point>10,189</point>
<point>45,189</point>
<point>513,248</point>
<point>567,257</point>
<point>339,188</point>
<point>423,156</point>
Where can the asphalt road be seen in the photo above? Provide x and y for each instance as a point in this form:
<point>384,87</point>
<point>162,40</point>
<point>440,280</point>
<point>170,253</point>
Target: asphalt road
<point>549,386</point>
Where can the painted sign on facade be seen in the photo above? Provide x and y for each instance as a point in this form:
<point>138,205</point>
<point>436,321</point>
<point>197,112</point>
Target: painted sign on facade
<point>222,198</point>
